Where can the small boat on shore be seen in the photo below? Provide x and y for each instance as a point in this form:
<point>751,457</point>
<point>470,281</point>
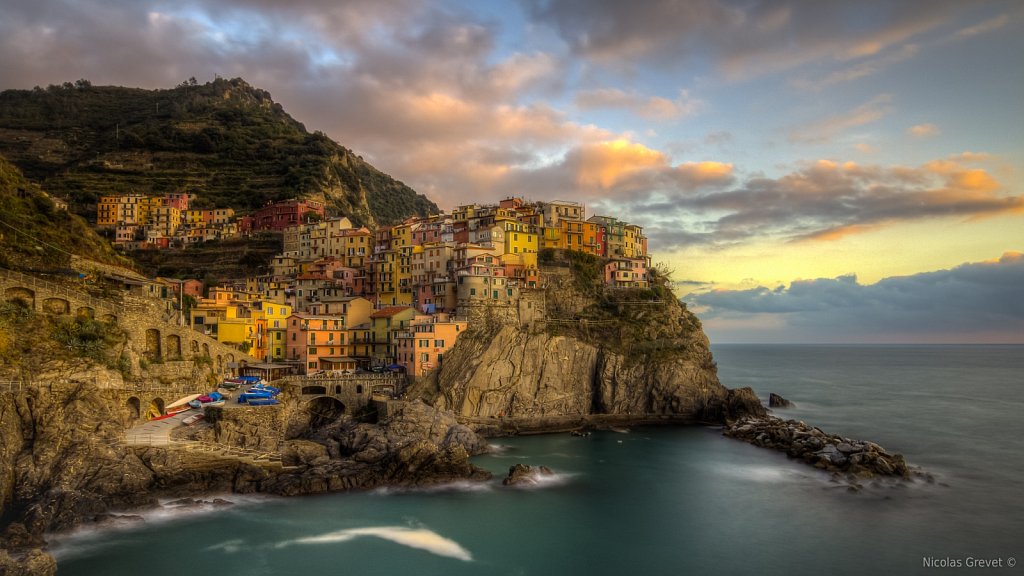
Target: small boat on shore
<point>180,405</point>
<point>190,420</point>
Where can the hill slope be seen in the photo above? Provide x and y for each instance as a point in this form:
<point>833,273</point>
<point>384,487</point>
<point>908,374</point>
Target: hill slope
<point>225,141</point>
<point>35,234</point>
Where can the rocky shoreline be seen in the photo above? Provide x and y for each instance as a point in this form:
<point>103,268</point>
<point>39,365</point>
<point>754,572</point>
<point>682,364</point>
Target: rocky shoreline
<point>850,461</point>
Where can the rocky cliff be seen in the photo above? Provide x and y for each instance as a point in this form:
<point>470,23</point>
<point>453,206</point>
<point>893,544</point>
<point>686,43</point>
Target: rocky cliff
<point>63,462</point>
<point>576,353</point>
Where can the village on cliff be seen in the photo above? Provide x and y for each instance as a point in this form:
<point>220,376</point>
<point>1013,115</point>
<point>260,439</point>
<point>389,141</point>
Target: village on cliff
<point>341,299</point>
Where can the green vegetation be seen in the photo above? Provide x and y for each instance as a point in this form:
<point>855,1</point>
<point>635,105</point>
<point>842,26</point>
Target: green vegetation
<point>30,342</point>
<point>212,261</point>
<point>35,234</point>
<point>225,141</point>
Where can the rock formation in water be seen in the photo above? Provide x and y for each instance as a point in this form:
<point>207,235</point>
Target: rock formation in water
<point>776,401</point>
<point>526,475</point>
<point>575,353</point>
<point>854,461</point>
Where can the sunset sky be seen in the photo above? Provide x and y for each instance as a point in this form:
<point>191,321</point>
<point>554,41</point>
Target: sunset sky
<point>819,171</point>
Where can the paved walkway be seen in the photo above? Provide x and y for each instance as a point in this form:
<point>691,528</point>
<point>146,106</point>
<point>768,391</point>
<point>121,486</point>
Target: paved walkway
<point>155,432</point>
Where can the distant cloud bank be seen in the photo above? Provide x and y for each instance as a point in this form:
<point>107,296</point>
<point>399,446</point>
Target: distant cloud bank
<point>977,302</point>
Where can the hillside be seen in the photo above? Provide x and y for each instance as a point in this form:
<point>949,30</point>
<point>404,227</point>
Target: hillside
<point>225,141</point>
<point>36,235</point>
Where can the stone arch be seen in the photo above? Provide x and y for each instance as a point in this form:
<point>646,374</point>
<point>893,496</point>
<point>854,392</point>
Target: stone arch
<point>172,344</point>
<point>220,364</point>
<point>229,358</point>
<point>134,408</point>
<point>153,351</point>
<point>85,312</point>
<point>56,306</point>
<point>206,349</point>
<point>194,347</point>
<point>24,294</point>
<point>316,389</point>
<point>359,388</point>
<point>156,408</point>
<point>324,410</point>
<point>109,318</point>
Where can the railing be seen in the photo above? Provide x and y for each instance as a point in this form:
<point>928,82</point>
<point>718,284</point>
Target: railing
<point>11,385</point>
<point>164,441</point>
<point>33,282</point>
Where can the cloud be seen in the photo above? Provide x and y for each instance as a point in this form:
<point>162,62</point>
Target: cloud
<point>923,130</point>
<point>828,128</point>
<point>973,302</point>
<point>822,201</point>
<point>863,69</point>
<point>984,27</point>
<point>744,40</point>
<point>650,107</point>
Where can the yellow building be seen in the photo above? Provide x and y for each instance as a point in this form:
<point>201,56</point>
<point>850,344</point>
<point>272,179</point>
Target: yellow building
<point>276,317</point>
<point>520,238</point>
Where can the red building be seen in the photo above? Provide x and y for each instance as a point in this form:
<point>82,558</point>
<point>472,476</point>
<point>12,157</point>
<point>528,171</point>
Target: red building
<point>284,214</point>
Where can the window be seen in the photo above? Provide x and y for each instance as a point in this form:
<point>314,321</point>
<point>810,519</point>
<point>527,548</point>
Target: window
<point>472,291</point>
<point>424,343</point>
<point>424,357</point>
<point>293,336</point>
<point>312,365</point>
<point>438,343</point>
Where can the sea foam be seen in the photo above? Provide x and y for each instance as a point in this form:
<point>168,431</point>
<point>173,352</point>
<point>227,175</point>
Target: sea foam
<point>419,538</point>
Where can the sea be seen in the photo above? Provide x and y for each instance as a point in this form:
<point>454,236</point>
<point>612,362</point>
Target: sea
<point>674,500</point>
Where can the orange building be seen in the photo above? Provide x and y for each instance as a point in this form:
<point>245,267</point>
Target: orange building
<point>421,347</point>
<point>317,343</point>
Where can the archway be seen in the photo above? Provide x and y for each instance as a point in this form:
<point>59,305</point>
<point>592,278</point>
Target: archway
<point>85,312</point>
<point>24,294</point>
<point>194,347</point>
<point>173,345</point>
<point>134,408</point>
<point>206,349</point>
<point>156,408</point>
<point>324,410</point>
<point>56,306</point>
<point>153,344</point>
<point>109,318</point>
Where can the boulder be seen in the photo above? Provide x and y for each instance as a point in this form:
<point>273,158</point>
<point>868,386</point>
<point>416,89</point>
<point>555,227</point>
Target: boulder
<point>776,401</point>
<point>525,475</point>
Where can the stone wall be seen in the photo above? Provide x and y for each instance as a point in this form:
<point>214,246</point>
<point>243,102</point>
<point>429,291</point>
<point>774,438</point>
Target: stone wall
<point>152,338</point>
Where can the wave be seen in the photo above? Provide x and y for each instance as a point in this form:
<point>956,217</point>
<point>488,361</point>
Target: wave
<point>456,486</point>
<point>228,546</point>
<point>543,481</point>
<point>418,538</point>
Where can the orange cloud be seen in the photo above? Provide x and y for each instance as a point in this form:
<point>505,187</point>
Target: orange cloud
<point>923,130</point>
<point>605,164</point>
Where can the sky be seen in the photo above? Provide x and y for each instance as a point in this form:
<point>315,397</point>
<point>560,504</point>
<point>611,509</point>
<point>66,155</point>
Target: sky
<point>817,171</point>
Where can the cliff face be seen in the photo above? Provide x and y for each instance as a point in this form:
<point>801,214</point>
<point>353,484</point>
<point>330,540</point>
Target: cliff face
<point>579,350</point>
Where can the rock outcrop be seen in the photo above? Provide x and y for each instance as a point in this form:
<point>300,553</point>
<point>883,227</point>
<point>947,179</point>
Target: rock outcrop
<point>851,460</point>
<point>526,475</point>
<point>587,355</point>
<point>776,401</point>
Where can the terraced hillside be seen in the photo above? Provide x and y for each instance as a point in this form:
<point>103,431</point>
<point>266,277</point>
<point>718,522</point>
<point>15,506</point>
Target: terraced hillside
<point>35,234</point>
<point>225,141</point>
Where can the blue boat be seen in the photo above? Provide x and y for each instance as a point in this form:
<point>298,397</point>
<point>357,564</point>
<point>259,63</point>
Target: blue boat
<point>263,401</point>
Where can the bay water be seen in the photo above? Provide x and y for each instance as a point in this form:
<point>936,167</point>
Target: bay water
<point>662,500</point>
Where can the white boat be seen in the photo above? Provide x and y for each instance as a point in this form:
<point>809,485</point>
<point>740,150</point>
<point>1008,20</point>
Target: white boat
<point>181,404</point>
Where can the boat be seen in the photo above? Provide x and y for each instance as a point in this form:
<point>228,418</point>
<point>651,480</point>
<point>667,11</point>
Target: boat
<point>263,401</point>
<point>211,399</point>
<point>192,419</point>
<point>180,405</point>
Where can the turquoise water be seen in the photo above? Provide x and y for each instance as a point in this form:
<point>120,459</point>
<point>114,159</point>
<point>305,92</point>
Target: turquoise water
<point>661,501</point>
